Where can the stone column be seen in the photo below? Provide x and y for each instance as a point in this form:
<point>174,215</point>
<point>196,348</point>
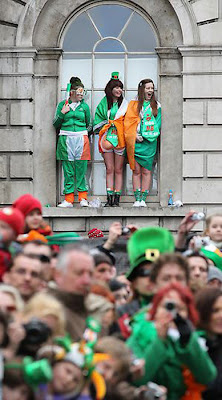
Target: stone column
<point>46,91</point>
<point>171,98</point>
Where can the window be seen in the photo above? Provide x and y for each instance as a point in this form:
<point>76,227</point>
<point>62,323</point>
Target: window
<point>100,40</point>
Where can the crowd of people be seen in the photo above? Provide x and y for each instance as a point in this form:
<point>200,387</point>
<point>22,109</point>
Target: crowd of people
<point>72,326</point>
<point>126,131</point>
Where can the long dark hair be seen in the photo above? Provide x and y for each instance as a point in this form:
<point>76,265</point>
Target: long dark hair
<point>141,96</point>
<point>108,90</point>
<point>205,301</point>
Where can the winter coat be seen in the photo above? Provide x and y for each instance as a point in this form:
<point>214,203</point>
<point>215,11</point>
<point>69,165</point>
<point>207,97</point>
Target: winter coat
<point>214,345</point>
<point>166,360</point>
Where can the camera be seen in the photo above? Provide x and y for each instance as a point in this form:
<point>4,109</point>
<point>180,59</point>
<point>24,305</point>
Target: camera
<point>37,332</point>
<point>125,230</point>
<point>154,391</point>
<point>201,241</point>
<point>170,306</point>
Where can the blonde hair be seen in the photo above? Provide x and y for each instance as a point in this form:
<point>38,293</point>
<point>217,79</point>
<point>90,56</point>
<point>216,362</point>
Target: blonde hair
<point>43,305</point>
<point>14,293</point>
<point>208,222</point>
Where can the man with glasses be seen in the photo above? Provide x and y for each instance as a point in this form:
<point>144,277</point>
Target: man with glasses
<point>43,252</point>
<point>26,275</point>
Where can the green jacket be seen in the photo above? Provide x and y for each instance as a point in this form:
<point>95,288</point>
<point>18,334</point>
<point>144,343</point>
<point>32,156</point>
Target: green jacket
<point>165,359</point>
<point>72,121</point>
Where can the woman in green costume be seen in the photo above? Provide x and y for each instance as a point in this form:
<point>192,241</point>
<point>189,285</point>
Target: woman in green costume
<point>142,127</point>
<point>109,119</point>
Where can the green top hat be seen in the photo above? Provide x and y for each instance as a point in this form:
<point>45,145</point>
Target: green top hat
<point>146,244</point>
<point>61,239</point>
<point>115,75</point>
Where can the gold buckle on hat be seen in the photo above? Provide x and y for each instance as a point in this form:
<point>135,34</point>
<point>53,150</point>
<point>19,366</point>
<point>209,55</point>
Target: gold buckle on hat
<point>152,254</point>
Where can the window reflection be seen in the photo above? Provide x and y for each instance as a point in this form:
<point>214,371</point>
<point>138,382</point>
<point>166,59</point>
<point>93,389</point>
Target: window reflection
<point>138,35</point>
<point>110,19</point>
<point>81,35</point>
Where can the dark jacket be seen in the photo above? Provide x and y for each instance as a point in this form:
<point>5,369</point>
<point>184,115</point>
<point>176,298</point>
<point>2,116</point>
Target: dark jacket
<point>75,312</point>
<point>214,392</point>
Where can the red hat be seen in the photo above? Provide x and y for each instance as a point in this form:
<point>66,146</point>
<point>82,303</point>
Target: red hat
<point>27,203</point>
<point>94,233</point>
<point>14,218</point>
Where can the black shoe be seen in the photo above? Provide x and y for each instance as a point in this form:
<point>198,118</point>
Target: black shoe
<point>109,202</point>
<point>116,200</point>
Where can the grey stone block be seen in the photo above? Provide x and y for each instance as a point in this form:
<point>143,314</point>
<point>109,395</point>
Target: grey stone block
<point>205,10</point>
<point>21,166</point>
<point>214,112</point>
<point>193,165</point>
<point>10,190</point>
<point>214,165</point>
<point>202,86</point>
<point>7,35</point>
<point>202,139</point>
<point>16,139</point>
<point>69,224</point>
<point>15,87</point>
<point>193,112</point>
<point>3,166</point>
<point>202,191</point>
<point>10,11</point>
<point>3,114</point>
<point>21,113</point>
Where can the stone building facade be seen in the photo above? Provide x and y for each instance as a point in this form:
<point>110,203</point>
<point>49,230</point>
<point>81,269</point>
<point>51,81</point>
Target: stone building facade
<point>190,91</point>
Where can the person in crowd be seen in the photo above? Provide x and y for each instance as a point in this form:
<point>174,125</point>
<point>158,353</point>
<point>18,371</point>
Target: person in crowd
<point>213,255</point>
<point>214,229</point>
<point>108,121</point>
<point>144,247</point>
<point>31,208</point>
<point>198,270</point>
<point>42,251</point>
<point>10,299</point>
<point>11,225</point>
<point>170,268</point>
<point>119,291</point>
<point>74,277</point>
<point>14,386</point>
<point>48,309</point>
<point>72,120</point>
<point>209,306</point>
<point>103,270</point>
<point>26,275</point>
<point>167,341</point>
<point>142,127</point>
<point>214,278</point>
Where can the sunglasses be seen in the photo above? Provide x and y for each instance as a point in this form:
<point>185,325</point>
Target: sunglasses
<point>142,273</point>
<point>81,91</point>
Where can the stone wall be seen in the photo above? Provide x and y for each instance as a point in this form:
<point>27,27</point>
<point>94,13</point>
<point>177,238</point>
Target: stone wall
<point>190,37</point>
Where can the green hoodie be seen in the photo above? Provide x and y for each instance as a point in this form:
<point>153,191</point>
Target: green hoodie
<point>73,121</point>
<point>166,358</point>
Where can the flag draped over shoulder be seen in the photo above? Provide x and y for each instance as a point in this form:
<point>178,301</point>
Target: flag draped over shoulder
<point>102,121</point>
<point>131,122</point>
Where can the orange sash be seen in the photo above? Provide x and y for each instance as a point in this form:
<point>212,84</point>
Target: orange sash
<point>194,389</point>
<point>131,121</point>
<point>119,127</point>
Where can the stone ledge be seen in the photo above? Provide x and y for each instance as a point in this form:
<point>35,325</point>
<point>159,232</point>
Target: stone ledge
<point>124,211</point>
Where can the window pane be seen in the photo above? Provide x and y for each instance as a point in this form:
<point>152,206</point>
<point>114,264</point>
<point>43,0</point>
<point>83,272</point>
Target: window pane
<point>97,154</point>
<point>110,19</point>
<point>77,66</point>
<point>104,66</point>
<point>99,179</point>
<point>110,45</point>
<point>97,97</point>
<point>140,68</point>
<point>131,94</point>
<point>81,35</point>
<point>138,35</point>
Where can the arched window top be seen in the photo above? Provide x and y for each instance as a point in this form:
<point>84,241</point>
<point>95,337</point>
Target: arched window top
<point>109,45</point>
<point>109,21</point>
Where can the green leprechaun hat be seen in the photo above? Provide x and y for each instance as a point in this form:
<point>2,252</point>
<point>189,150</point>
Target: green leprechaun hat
<point>146,244</point>
<point>115,75</point>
